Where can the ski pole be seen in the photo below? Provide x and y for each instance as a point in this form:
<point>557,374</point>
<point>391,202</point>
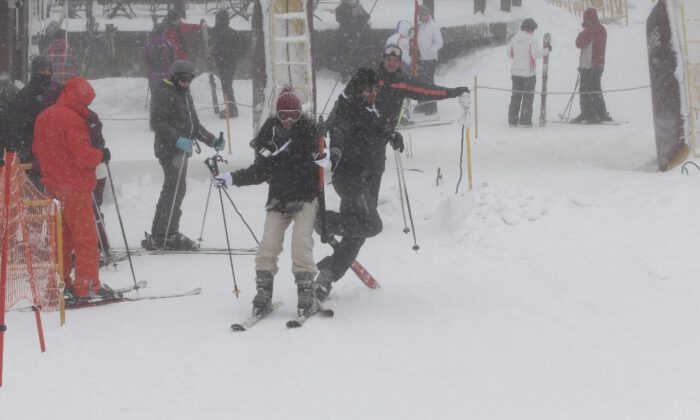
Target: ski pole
<point>241,216</point>
<point>408,202</point>
<point>567,111</point>
<point>204,216</point>
<point>99,221</point>
<point>121,225</point>
<point>321,190</point>
<point>228,122</point>
<point>236,291</point>
<point>172,206</point>
<point>403,210</point>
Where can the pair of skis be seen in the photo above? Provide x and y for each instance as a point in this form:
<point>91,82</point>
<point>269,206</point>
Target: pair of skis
<point>292,323</point>
<point>119,297</point>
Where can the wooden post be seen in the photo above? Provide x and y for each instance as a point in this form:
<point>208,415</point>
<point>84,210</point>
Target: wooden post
<point>476,109</point>
<point>469,160</point>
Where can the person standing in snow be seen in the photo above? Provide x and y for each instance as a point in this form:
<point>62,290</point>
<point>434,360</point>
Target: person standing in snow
<point>177,129</point>
<point>24,111</point>
<point>64,58</point>
<point>429,44</point>
<point>175,30</point>
<point>97,140</point>
<point>591,41</point>
<point>227,47</point>
<point>68,162</point>
<point>359,137</point>
<point>286,155</point>
<point>158,55</point>
<point>353,25</point>
<point>402,39</point>
<point>524,50</point>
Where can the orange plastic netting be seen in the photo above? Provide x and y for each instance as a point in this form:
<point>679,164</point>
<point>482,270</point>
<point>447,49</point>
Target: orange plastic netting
<point>32,264</point>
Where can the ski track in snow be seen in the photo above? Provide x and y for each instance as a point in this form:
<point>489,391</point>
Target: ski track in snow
<point>564,285</point>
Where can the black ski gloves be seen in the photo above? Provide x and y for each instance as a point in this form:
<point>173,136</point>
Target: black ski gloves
<point>106,155</point>
<point>460,90</point>
<point>396,141</point>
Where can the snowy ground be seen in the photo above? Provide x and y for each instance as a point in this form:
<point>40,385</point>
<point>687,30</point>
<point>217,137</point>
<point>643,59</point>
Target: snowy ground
<point>564,286</point>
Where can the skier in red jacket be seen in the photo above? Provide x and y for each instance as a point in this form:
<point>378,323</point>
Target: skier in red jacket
<point>175,28</point>
<point>591,41</point>
<point>68,161</point>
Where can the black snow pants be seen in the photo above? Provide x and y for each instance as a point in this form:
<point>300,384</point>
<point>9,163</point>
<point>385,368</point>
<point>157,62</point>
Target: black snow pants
<point>171,173</point>
<point>592,104</point>
<point>520,110</point>
<point>357,220</point>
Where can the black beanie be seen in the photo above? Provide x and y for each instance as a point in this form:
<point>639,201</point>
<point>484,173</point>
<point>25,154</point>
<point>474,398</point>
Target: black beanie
<point>528,25</point>
<point>40,62</point>
<point>365,76</point>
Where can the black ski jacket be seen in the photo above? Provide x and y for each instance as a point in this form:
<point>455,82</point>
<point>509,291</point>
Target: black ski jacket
<point>395,87</point>
<point>227,47</point>
<point>286,161</point>
<point>360,134</point>
<point>174,116</point>
<point>23,113</point>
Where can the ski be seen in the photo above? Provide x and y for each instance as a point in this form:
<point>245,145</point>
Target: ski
<point>139,285</point>
<point>102,302</point>
<point>210,63</point>
<point>425,124</point>
<point>319,310</point>
<point>596,123</point>
<point>546,44</point>
<point>357,268</point>
<point>254,319</point>
<point>121,255</point>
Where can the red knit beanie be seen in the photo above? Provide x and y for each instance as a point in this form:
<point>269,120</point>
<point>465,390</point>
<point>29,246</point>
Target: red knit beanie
<point>288,100</point>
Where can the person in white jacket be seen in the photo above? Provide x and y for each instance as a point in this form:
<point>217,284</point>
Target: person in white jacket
<point>524,50</point>
<point>429,44</point>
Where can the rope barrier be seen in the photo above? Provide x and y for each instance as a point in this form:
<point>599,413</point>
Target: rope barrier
<point>565,93</point>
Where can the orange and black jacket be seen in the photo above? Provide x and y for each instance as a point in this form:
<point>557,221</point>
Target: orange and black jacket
<point>395,87</point>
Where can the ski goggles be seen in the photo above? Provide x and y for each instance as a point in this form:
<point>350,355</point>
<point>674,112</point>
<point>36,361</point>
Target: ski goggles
<point>289,114</point>
<point>393,50</point>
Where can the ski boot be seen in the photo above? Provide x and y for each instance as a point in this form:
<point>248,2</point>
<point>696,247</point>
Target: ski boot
<point>105,293</point>
<point>323,284</point>
<point>262,302</point>
<point>151,243</point>
<point>306,304</point>
<point>179,242</point>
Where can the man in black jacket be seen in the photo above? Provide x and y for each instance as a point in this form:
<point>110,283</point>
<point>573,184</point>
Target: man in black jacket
<point>177,130</point>
<point>286,155</point>
<point>353,26</point>
<point>395,86</point>
<point>28,106</point>
<point>359,135</point>
<point>227,48</point>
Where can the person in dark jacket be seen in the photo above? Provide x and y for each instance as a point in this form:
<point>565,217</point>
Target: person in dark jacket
<point>177,130</point>
<point>591,41</point>
<point>395,86</point>
<point>360,136</point>
<point>353,25</point>
<point>159,55</point>
<point>28,106</point>
<point>286,155</point>
<point>175,31</point>
<point>227,47</point>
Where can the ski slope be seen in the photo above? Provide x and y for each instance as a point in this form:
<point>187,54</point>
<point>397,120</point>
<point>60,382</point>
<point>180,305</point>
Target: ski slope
<point>563,286</point>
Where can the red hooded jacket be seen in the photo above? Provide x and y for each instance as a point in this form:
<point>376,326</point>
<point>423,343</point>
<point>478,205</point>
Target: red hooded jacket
<point>62,141</point>
<point>592,41</point>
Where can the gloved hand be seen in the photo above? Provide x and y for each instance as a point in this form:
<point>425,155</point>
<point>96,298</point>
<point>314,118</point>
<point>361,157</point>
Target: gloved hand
<point>396,141</point>
<point>219,144</point>
<point>461,90</point>
<point>224,179</point>
<point>336,155</point>
<point>106,155</point>
<point>184,144</point>
<point>323,159</point>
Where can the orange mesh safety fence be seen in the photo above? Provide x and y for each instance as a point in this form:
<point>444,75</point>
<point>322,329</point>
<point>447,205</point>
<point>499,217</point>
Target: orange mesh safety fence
<point>32,268</point>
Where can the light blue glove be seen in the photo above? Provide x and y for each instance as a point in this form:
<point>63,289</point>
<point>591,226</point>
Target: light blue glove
<point>219,144</point>
<point>184,144</point>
